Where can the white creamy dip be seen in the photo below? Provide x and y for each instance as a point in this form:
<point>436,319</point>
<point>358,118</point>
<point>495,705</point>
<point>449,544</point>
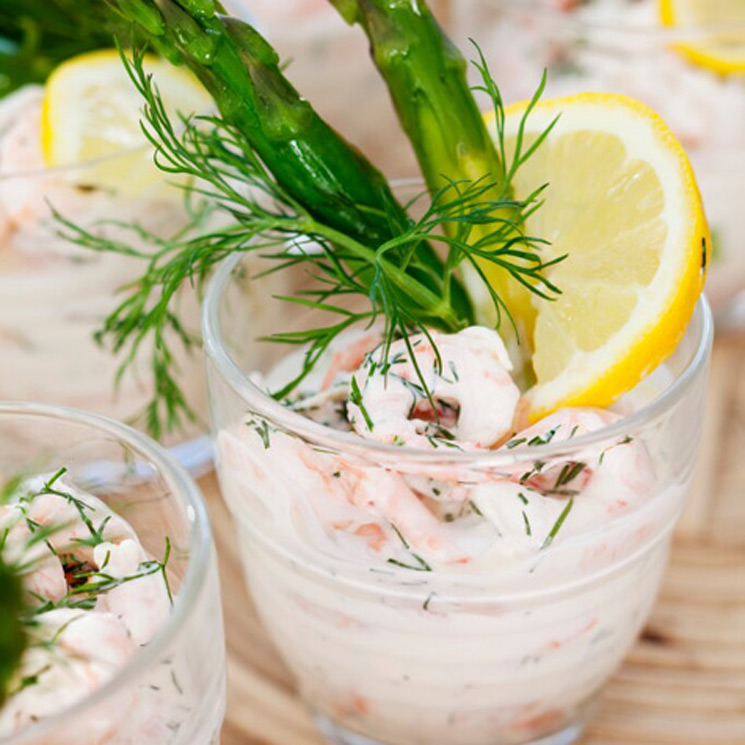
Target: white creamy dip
<point>82,638</point>
<point>54,295</point>
<point>425,598</point>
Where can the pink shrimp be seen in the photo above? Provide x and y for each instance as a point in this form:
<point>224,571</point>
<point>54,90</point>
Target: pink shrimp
<point>350,357</point>
<point>467,376</point>
<point>74,651</point>
<point>329,496</point>
<point>44,577</point>
<point>82,651</point>
<point>70,533</point>
<point>142,604</point>
<point>608,477</point>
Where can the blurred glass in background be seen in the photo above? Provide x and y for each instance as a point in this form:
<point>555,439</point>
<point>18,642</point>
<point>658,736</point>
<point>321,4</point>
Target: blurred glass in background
<point>691,72</point>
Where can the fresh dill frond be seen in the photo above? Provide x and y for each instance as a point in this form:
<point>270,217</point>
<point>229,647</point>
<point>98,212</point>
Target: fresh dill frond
<point>471,225</point>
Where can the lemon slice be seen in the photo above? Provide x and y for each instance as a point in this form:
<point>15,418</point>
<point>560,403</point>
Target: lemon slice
<point>622,202</point>
<point>722,51</point>
<point>92,111</point>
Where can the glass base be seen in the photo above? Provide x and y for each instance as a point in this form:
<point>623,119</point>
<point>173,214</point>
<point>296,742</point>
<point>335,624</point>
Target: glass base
<point>333,734</point>
<point>195,456</point>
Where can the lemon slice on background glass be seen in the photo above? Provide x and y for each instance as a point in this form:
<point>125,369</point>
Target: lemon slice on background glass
<point>92,112</point>
<point>722,50</point>
<point>622,202</point>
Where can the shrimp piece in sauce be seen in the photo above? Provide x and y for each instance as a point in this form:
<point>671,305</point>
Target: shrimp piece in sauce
<point>468,377</point>
<point>142,605</point>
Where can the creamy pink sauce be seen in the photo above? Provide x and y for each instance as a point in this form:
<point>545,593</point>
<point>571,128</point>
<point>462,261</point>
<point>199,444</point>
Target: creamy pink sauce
<point>442,601</point>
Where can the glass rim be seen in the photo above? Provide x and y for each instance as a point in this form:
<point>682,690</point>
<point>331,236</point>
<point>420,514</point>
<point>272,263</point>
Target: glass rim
<point>200,547</point>
<point>73,168</point>
<point>619,25</point>
<point>297,424</point>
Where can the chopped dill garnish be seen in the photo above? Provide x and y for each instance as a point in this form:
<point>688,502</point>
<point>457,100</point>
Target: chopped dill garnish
<point>515,442</point>
<point>568,473</point>
<point>176,684</point>
<point>355,396</point>
<point>475,508</point>
<point>400,537</point>
<point>557,525</point>
<point>534,471</point>
<point>422,564</point>
<point>528,529</point>
<point>261,427</point>
<point>545,438</point>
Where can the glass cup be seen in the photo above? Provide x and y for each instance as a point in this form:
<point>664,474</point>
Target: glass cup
<point>506,652</point>
<point>54,295</point>
<point>621,47</point>
<point>172,692</point>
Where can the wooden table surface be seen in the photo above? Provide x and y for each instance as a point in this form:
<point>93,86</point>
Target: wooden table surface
<point>684,682</point>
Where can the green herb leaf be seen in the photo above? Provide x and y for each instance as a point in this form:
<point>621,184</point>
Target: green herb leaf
<point>233,168</point>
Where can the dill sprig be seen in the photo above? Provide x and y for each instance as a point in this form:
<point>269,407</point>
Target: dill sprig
<point>258,214</point>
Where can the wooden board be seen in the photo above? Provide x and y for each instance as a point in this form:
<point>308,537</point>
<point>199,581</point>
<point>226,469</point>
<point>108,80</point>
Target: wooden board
<point>684,682</point>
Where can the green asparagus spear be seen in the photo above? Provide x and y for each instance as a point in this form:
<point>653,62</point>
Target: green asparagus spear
<point>328,176</point>
<point>426,77</point>
<point>13,639</point>
<point>266,140</point>
<point>12,636</point>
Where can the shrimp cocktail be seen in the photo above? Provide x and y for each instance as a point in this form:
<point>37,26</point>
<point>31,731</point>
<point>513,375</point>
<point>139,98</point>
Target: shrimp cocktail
<point>456,420</point>
<point>109,631</point>
<point>685,58</point>
<point>72,150</point>
<point>448,574</point>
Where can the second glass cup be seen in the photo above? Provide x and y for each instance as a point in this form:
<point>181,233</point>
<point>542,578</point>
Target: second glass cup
<point>54,296</point>
<point>171,690</point>
<point>493,649</point>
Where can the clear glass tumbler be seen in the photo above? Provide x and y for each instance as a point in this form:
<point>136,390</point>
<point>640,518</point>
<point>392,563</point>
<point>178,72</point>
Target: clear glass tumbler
<point>492,653</point>
<point>172,692</point>
<point>620,46</point>
<point>54,295</point>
